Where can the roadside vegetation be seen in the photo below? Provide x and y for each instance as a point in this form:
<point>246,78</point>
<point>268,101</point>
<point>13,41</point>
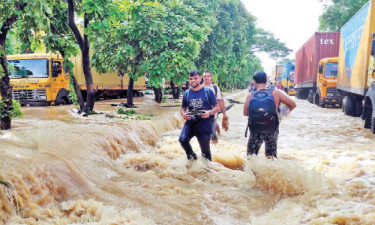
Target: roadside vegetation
<point>338,12</point>
<point>160,39</point>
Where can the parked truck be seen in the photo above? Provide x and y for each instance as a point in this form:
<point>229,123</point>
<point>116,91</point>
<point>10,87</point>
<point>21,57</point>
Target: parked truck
<point>308,60</point>
<point>356,74</point>
<point>43,79</point>
<point>287,69</point>
<point>277,74</point>
<point>326,92</point>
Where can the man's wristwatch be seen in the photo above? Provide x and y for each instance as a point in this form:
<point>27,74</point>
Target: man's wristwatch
<point>209,112</point>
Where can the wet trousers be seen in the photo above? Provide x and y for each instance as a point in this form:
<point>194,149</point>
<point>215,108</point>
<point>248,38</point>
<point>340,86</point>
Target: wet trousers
<point>202,130</point>
<point>214,135</point>
<point>256,140</point>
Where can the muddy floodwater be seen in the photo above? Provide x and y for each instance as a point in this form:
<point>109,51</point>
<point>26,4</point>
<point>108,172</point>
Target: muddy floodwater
<point>117,169</point>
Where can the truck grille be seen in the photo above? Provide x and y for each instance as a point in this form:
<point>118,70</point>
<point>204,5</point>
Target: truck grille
<point>30,95</point>
<point>332,92</point>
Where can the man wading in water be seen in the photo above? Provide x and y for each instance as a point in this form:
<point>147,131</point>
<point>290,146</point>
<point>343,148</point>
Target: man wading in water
<point>261,107</point>
<point>207,77</point>
<point>202,105</point>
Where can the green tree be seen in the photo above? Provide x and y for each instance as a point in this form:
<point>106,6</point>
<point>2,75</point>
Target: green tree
<point>160,40</point>
<point>266,42</point>
<point>285,61</point>
<point>60,39</point>
<point>338,12</point>
<point>228,51</point>
<point>32,14</point>
<point>95,26</point>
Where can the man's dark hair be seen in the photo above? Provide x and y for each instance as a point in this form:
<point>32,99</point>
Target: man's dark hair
<point>207,71</point>
<point>260,77</point>
<point>192,73</point>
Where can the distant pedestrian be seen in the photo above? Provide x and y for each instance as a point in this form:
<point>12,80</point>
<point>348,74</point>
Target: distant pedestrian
<point>279,86</point>
<point>201,102</point>
<point>261,106</point>
<point>207,77</point>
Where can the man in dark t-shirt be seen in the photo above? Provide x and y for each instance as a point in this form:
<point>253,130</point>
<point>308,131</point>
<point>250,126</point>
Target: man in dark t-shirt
<point>197,98</point>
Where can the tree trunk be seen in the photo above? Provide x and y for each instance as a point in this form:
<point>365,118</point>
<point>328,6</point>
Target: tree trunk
<point>5,88</point>
<point>173,89</point>
<point>129,96</point>
<point>90,101</point>
<point>158,94</point>
<point>178,89</point>
<point>84,45</point>
<point>77,90</point>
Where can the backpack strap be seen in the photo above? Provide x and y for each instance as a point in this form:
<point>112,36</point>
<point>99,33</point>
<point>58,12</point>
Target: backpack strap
<point>268,91</point>
<point>215,88</point>
<point>207,94</point>
<point>186,95</point>
<point>253,93</point>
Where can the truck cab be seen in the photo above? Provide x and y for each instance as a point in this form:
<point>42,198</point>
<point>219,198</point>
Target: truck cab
<point>38,79</point>
<point>326,92</point>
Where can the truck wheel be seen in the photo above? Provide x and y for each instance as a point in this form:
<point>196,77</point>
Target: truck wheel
<point>62,97</point>
<point>298,95</point>
<point>348,106</point>
<point>311,97</point>
<point>320,103</point>
<point>316,99</point>
<point>368,122</point>
<point>369,117</point>
<point>357,112</point>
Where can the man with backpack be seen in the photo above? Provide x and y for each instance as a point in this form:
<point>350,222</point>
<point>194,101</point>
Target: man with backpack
<point>261,107</point>
<point>207,77</point>
<point>202,105</point>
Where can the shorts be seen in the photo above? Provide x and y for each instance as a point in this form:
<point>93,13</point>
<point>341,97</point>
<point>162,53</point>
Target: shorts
<point>256,140</point>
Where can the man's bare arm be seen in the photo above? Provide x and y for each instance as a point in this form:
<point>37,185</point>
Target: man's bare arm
<point>286,100</point>
<point>222,107</point>
<point>183,113</point>
<point>246,106</point>
<point>214,110</point>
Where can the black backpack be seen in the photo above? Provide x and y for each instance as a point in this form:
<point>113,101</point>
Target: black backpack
<point>263,116</point>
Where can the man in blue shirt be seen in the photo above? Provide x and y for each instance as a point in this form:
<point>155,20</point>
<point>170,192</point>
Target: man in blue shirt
<point>197,98</point>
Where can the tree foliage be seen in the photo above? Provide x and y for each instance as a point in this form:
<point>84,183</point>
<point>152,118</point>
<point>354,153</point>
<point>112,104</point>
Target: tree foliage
<point>160,40</point>
<point>95,25</point>
<point>338,12</point>
<point>265,41</point>
<point>285,61</point>
<point>227,53</point>
<point>26,14</point>
<point>61,40</point>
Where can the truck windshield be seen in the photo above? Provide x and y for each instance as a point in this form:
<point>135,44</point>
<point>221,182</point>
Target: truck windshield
<point>28,68</point>
<point>330,70</point>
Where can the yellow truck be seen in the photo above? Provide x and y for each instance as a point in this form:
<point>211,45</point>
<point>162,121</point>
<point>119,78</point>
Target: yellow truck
<point>43,79</point>
<point>326,82</point>
<point>356,74</point>
<point>277,74</point>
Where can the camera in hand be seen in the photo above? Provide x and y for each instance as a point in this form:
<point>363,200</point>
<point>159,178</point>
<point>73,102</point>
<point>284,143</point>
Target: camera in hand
<point>195,114</point>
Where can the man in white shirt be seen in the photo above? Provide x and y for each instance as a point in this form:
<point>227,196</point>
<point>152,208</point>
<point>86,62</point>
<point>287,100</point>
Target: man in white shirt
<point>207,77</point>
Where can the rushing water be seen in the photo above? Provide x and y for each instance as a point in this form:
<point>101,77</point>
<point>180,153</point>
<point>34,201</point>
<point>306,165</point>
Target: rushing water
<point>66,169</point>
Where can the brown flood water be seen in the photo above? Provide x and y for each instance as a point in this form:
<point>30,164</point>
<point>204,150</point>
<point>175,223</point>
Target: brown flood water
<point>66,169</point>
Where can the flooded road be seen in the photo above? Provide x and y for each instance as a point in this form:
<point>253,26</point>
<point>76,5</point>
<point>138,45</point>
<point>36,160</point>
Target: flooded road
<point>112,169</point>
